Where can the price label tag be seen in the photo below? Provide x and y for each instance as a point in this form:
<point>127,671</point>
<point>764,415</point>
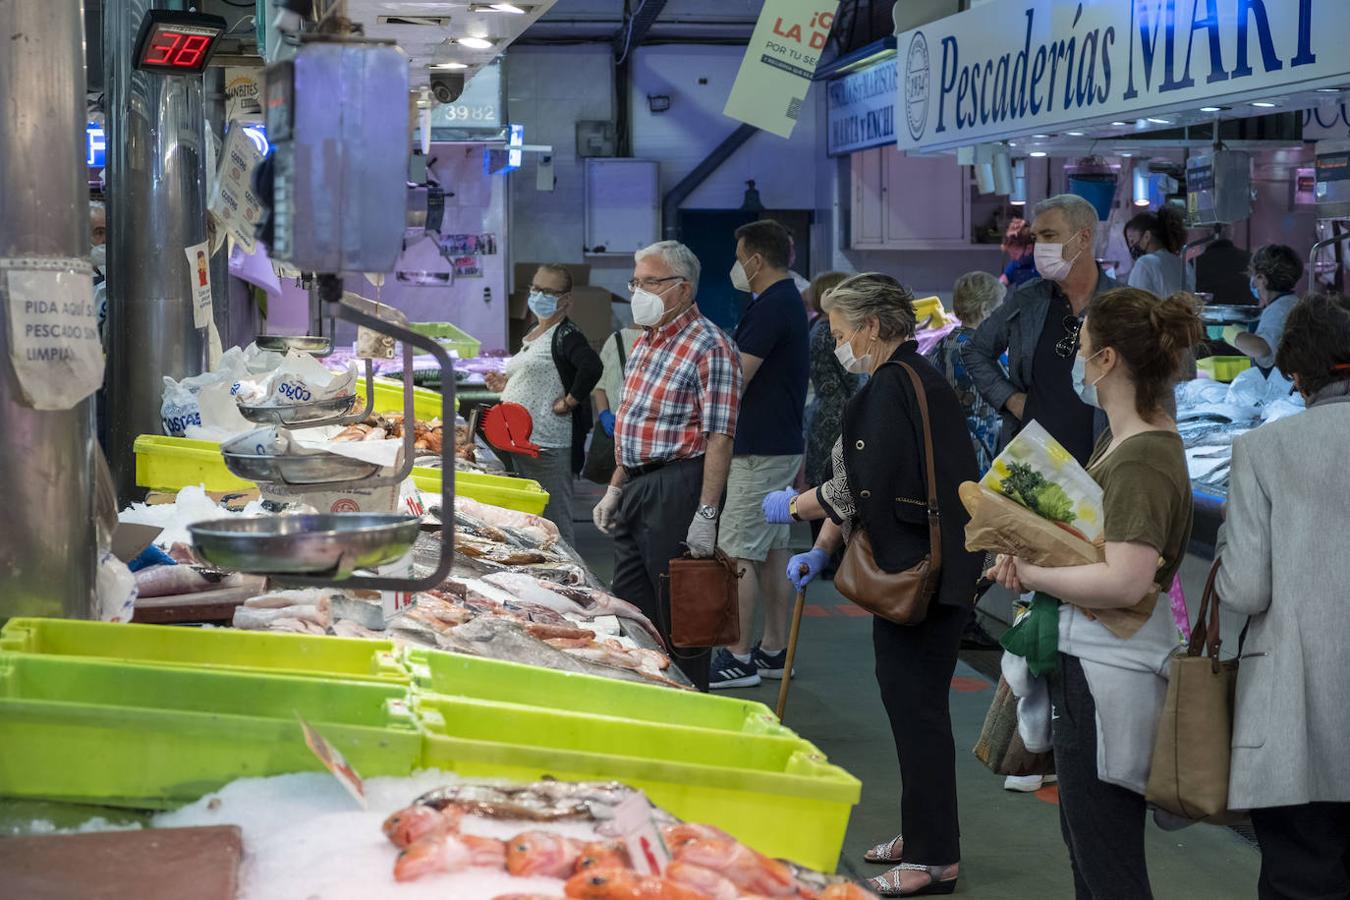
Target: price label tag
<point>396,603</point>
<point>334,762</point>
<point>632,824</point>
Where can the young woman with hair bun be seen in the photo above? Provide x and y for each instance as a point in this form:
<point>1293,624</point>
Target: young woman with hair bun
<point>1155,242</point>
<point>1108,689</point>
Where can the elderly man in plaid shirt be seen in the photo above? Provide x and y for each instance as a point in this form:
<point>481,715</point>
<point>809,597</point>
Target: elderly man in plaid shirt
<point>673,437</point>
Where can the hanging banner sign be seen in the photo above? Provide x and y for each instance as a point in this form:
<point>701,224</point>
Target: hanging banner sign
<point>779,63</point>
<point>1015,67</point>
<point>53,329</point>
<point>233,204</point>
<point>861,108</point>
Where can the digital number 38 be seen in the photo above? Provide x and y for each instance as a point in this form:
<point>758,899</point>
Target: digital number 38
<point>173,48</point>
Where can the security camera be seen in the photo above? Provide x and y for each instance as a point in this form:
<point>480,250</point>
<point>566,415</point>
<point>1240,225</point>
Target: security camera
<point>446,87</point>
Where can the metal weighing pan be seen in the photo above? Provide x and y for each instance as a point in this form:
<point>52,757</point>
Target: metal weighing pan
<point>1229,315</point>
<point>322,545</point>
<point>321,411</point>
<point>316,469</point>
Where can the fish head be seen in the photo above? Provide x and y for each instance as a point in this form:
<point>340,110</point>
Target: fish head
<point>602,884</point>
<point>604,855</point>
<point>411,824</point>
<point>434,853</point>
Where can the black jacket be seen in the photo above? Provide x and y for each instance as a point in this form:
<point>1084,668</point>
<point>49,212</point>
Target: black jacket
<point>884,457</point>
<point>579,369</point>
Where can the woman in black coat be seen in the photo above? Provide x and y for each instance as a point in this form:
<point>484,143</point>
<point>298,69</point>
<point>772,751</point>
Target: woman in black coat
<point>879,484</point>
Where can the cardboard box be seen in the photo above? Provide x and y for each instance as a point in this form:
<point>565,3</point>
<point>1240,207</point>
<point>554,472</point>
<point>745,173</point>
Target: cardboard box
<point>523,273</point>
<point>593,311</point>
<point>352,500</point>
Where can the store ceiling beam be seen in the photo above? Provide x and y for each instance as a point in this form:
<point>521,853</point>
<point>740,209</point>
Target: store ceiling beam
<point>670,203</point>
<point>639,24</point>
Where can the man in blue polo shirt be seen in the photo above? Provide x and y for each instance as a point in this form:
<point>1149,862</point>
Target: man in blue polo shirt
<point>772,339</point>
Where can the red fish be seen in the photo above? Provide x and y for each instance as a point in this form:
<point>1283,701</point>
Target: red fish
<point>625,884</point>
<point>434,853</point>
<point>705,880</point>
<point>604,855</point>
<point>847,890</point>
<point>678,835</point>
<point>487,853</point>
<point>408,825</point>
<point>743,867</point>
<point>541,853</point>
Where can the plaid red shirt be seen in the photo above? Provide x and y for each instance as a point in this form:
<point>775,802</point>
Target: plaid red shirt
<point>682,383</point>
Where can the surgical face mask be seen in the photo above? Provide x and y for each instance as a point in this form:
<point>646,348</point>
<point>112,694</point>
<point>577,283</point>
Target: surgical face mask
<point>1086,392</point>
<point>739,279</point>
<point>851,362</point>
<point>1256,290</point>
<point>98,255</point>
<point>1050,261</point>
<point>648,308</point>
<point>542,305</point>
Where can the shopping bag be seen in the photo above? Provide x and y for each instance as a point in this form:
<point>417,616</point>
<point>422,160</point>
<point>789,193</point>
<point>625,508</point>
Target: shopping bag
<point>1000,746</point>
<point>1192,750</point>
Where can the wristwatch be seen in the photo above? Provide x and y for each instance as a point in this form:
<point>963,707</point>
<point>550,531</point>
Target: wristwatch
<point>792,509</point>
<point>708,512</point>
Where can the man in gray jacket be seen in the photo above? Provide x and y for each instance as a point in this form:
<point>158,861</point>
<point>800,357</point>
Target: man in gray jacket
<point>1038,327</point>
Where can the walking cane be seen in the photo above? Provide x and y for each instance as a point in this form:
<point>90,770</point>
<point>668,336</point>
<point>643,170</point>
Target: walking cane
<point>791,650</point>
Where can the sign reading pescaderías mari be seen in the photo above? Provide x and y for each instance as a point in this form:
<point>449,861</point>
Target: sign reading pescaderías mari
<point>1018,66</point>
<point>862,109</point>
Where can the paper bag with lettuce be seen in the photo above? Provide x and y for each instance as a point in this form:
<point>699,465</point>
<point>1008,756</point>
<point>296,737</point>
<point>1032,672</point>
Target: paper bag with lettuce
<point>1037,503</point>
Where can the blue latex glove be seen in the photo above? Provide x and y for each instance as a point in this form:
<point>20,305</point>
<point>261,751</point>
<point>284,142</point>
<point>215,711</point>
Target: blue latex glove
<point>775,507</point>
<point>814,561</point>
<point>151,556</point>
<point>607,422</point>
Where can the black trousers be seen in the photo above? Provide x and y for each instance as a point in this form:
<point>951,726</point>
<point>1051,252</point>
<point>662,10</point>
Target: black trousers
<point>914,672</point>
<point>654,516</point>
<point>1103,824</point>
<point>1305,851</point>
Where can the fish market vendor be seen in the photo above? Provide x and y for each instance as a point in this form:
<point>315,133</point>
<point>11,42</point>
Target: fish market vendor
<point>1275,270</point>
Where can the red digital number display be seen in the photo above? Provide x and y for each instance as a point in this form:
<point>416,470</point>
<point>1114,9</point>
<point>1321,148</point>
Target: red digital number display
<point>173,48</point>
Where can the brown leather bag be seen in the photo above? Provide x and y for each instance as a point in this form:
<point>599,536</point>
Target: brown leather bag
<point>704,611</point>
<point>899,597</point>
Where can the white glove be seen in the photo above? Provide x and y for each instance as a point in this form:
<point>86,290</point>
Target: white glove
<point>702,537</point>
<point>606,512</point>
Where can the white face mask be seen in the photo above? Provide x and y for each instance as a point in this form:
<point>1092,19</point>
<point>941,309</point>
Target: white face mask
<point>98,255</point>
<point>648,308</point>
<point>1050,261</point>
<point>850,362</point>
<point>739,279</point>
<point>1086,392</point>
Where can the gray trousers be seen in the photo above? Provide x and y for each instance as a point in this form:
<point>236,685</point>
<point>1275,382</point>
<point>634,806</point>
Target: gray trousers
<point>654,516</point>
<point>553,470</point>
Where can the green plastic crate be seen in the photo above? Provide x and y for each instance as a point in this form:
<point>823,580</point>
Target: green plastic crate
<point>297,655</point>
<point>449,336</point>
<point>453,674</point>
<point>1224,368</point>
<point>93,731</point>
<point>780,796</point>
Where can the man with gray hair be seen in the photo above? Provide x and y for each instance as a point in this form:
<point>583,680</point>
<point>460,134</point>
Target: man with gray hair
<point>672,438</point>
<point>1038,327</point>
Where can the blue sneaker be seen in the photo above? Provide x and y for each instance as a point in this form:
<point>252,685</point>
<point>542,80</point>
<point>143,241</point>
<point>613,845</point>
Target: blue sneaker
<point>729,672</point>
<point>770,665</point>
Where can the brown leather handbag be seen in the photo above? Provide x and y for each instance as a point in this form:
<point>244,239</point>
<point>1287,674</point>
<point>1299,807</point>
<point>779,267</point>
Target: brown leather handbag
<point>704,611</point>
<point>899,597</point>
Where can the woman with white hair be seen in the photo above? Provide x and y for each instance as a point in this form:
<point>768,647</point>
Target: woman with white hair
<point>879,487</point>
<point>975,296</point>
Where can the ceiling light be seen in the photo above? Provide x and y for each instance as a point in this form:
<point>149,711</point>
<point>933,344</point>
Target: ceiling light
<point>1012,143</point>
<point>1126,153</point>
<point>452,66</point>
<point>496,7</point>
<point>1327,91</point>
<point>1040,136</point>
<point>1074,133</point>
<point>1160,121</point>
<point>1119,124</point>
<point>1214,108</point>
<point>474,43</point>
<point>1037,154</point>
<point>1264,104</point>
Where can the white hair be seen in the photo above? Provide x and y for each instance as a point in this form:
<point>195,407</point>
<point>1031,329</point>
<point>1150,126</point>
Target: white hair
<point>677,256</point>
<point>975,296</point>
<point>1080,214</point>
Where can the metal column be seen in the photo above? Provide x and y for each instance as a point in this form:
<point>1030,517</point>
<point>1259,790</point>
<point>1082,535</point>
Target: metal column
<point>156,209</point>
<point>47,541</point>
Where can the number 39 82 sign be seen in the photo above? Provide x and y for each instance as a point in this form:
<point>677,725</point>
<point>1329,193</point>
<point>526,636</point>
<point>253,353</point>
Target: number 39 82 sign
<point>771,86</point>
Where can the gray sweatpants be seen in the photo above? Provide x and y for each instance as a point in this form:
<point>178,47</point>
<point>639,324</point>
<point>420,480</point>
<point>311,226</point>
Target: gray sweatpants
<point>553,471</point>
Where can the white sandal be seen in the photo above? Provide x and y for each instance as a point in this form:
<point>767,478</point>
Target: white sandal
<point>889,852</point>
<point>889,885</point>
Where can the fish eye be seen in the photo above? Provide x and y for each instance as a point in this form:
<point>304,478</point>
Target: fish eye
<point>598,880</point>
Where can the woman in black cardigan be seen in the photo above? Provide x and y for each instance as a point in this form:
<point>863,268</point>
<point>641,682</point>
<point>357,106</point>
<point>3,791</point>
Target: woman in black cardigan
<point>879,484</point>
<point>552,377</point>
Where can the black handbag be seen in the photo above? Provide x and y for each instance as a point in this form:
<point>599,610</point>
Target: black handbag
<point>599,465</point>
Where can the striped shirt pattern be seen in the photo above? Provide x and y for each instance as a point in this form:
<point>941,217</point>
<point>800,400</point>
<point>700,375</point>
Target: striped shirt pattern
<point>682,382</point>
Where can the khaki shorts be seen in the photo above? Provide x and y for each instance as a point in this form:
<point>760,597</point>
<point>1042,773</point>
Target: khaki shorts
<point>743,533</point>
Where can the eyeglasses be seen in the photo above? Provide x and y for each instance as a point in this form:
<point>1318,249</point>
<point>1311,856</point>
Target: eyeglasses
<point>651,284</point>
<point>548,292</point>
<point>1068,345</point>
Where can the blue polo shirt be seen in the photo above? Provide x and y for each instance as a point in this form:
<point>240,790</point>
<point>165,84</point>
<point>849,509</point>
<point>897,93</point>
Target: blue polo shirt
<point>774,329</point>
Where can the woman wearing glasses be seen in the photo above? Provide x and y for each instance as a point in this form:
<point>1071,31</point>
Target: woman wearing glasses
<point>552,377</point>
<point>1114,636</point>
